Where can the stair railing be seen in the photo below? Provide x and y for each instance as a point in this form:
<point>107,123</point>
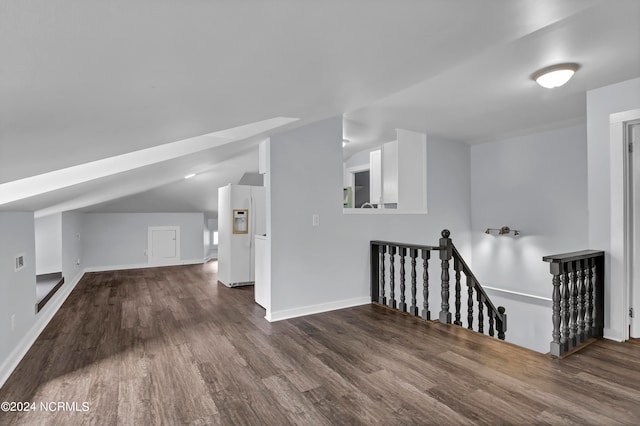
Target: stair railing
<point>577,299</point>
<point>496,317</point>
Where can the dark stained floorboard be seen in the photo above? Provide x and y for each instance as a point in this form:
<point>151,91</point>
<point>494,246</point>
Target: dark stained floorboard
<point>171,346</point>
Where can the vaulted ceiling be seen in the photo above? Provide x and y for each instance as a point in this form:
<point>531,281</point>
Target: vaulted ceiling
<point>87,81</point>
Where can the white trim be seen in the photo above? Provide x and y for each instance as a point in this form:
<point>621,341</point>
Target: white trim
<point>382,211</point>
<point>316,309</point>
<point>621,117</point>
<point>632,138</point>
<point>619,262</point>
<point>532,296</point>
<point>106,268</point>
<point>614,335</point>
<point>43,318</point>
<point>359,168</point>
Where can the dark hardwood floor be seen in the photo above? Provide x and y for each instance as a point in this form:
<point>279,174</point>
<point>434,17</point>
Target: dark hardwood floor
<point>171,346</point>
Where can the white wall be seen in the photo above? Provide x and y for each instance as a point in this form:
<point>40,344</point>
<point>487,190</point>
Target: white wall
<point>537,184</point>
<point>359,159</point>
<point>601,103</point>
<point>528,319</point>
<point>210,249</point>
<point>318,268</point>
<point>48,231</point>
<point>17,289</point>
<point>115,240</point>
<point>72,264</point>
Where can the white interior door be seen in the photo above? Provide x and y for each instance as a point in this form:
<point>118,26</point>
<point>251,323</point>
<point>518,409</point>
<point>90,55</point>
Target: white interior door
<point>164,245</point>
<point>634,138</point>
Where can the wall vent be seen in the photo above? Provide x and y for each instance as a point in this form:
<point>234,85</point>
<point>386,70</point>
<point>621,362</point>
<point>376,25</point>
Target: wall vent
<point>19,262</point>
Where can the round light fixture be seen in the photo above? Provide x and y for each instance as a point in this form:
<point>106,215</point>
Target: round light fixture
<point>555,75</point>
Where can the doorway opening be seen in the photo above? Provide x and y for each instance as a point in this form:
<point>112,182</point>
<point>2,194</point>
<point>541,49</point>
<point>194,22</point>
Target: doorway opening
<point>361,188</point>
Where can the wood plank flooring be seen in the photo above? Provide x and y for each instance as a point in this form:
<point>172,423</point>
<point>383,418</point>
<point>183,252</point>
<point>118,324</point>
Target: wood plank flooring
<point>171,346</point>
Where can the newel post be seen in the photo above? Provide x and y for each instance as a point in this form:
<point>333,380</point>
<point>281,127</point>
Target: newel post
<point>375,273</point>
<point>446,252</point>
<point>501,322</point>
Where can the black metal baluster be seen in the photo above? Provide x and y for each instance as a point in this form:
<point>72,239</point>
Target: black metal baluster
<point>480,313</point>
<point>403,305</point>
<point>392,271</point>
<point>564,313</point>
<point>456,267</point>
<point>375,272</point>
<point>573,306</point>
<point>491,314</point>
<point>556,344</point>
<point>470,303</point>
<point>383,250</point>
<point>414,308</point>
<point>426,254</point>
<point>589,314</point>
<point>581,300</point>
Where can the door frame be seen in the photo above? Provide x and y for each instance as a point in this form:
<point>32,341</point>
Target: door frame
<point>351,178</point>
<point>634,211</point>
<point>171,261</point>
<point>351,173</point>
<point>620,260</point>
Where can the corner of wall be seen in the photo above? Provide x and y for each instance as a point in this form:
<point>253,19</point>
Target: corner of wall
<point>43,318</point>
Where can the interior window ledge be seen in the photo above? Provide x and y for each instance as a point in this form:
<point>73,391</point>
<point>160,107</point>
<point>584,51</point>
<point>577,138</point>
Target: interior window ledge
<point>381,211</point>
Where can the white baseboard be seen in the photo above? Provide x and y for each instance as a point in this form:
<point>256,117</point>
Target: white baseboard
<point>614,335</point>
<point>43,318</point>
<point>316,309</point>
<point>141,266</point>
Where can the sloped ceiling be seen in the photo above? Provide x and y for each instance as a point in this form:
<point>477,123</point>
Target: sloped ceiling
<point>82,81</point>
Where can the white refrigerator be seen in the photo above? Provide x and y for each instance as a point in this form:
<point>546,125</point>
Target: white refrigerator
<point>241,215</point>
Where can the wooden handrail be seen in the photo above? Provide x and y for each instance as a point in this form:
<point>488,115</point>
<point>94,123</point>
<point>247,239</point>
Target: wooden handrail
<point>405,245</point>
<point>572,256</point>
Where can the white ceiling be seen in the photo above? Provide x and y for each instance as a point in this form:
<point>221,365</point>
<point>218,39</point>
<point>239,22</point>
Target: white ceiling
<point>82,81</point>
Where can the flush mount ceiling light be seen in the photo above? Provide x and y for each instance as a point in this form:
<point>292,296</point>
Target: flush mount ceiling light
<point>555,75</point>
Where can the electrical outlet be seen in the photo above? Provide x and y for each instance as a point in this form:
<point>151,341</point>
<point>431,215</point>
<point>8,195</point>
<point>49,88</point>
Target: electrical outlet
<point>315,220</point>
<point>13,322</point>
